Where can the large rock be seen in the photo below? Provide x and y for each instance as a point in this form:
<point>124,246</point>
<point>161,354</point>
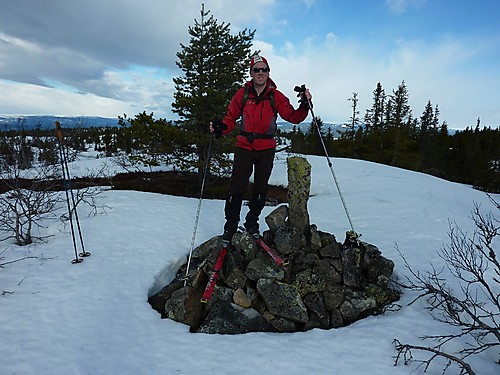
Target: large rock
<point>378,269</point>
<point>356,304</point>
<point>283,300</point>
<point>277,218</point>
<point>299,185</point>
<point>260,268</point>
<point>308,282</point>
<point>316,303</point>
<point>289,239</point>
<point>228,318</point>
<point>352,256</point>
<point>183,306</point>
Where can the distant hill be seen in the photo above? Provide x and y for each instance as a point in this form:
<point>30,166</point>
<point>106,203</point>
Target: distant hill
<point>47,122</point>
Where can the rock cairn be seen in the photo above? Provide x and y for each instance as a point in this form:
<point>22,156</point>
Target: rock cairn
<point>326,284</point>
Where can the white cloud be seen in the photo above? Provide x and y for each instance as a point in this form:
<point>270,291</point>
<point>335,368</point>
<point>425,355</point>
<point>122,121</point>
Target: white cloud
<point>29,99</point>
<point>336,68</point>
<point>100,50</point>
<point>401,6</point>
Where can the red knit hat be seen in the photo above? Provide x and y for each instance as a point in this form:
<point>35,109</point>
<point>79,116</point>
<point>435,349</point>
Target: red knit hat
<point>257,58</point>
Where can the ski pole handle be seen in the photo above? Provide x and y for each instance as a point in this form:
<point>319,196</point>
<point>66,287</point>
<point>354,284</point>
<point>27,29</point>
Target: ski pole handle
<point>59,134</point>
<point>301,93</point>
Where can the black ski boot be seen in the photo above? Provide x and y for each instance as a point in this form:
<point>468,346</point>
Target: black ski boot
<point>232,211</point>
<point>226,238</point>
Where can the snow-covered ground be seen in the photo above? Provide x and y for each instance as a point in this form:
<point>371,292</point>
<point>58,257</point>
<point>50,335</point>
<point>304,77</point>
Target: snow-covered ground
<point>93,317</point>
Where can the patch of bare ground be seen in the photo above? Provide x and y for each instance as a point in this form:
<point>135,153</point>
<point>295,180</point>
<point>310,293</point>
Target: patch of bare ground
<point>170,183</point>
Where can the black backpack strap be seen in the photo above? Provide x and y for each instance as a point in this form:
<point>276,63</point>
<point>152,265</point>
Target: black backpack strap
<point>252,136</point>
<point>245,99</point>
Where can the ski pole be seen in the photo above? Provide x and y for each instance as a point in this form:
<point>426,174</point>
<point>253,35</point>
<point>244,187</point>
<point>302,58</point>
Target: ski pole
<point>205,172</point>
<point>69,191</point>
<point>83,253</point>
<point>61,156</point>
<point>300,90</point>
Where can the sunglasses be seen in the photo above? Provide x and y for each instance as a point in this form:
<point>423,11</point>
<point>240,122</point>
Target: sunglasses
<point>264,70</point>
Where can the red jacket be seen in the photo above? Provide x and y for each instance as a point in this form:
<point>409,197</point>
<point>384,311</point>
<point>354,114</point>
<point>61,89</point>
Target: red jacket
<point>259,116</point>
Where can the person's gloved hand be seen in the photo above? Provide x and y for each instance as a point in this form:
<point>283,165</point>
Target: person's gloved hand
<point>217,126</point>
<point>304,95</point>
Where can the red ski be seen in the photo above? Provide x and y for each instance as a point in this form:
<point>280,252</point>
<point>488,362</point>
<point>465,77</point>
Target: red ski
<point>214,276</point>
<point>277,259</point>
<point>258,239</point>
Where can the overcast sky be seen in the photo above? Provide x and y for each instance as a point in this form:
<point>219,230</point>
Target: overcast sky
<point>106,58</point>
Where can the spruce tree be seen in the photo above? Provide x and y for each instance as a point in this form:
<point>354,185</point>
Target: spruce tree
<point>436,119</point>
<point>312,137</point>
<point>400,106</point>
<point>400,119</point>
<point>354,119</point>
<point>427,119</point>
<point>214,65</point>
<point>375,115</point>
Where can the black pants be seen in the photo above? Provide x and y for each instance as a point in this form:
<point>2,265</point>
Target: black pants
<point>246,162</point>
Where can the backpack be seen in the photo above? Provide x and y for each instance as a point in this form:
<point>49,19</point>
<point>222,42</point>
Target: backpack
<point>245,98</point>
<point>252,136</point>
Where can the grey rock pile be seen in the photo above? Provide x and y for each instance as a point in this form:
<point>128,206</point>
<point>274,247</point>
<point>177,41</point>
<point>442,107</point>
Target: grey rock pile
<point>325,284</point>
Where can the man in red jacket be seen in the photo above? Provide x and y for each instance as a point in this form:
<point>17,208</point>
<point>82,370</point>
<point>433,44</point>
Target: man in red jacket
<point>258,103</point>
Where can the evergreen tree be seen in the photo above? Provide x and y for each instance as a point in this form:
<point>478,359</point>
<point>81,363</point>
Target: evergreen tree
<point>298,140</point>
<point>329,138</point>
<point>375,115</point>
<point>427,122</point>
<point>374,124</point>
<point>401,110</point>
<point>400,116</point>
<point>152,141</point>
<point>214,64</point>
<point>354,119</point>
<point>439,152</point>
<point>427,119</point>
<point>312,137</point>
<point>435,125</point>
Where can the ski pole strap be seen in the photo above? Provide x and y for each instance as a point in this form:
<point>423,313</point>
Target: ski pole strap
<point>251,136</point>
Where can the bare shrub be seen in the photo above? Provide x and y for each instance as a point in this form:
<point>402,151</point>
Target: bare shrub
<point>474,309</point>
